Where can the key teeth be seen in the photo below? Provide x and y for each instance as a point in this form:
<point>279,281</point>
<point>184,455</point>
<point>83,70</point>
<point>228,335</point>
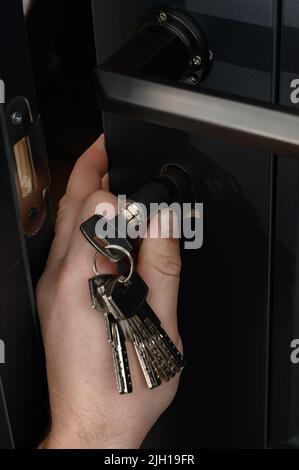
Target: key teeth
<point>167,344</point>
<point>152,380</point>
<point>156,362</point>
<point>158,356</point>
<point>120,360</point>
<point>161,362</point>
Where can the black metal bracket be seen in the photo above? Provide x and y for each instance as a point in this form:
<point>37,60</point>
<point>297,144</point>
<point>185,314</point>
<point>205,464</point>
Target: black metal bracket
<point>167,45</point>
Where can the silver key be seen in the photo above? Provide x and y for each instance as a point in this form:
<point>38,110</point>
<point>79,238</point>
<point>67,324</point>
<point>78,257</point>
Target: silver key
<point>120,360</point>
<point>160,359</point>
<point>129,301</point>
<point>134,334</point>
<point>115,335</point>
<point>125,306</point>
<point>166,344</point>
<point>145,359</point>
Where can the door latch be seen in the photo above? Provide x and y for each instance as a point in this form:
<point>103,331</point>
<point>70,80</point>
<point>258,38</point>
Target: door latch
<point>31,168</point>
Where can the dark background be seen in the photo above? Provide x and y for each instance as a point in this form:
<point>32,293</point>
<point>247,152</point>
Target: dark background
<point>63,58</point>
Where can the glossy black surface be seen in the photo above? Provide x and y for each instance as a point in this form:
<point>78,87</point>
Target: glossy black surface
<point>239,293</point>
<point>284,398</point>
<point>224,296</point>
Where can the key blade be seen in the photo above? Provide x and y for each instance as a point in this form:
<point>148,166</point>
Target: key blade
<point>92,292</point>
<point>95,285</point>
<point>123,375</point>
<point>146,363</point>
<point>108,325</point>
<point>151,380</point>
<point>166,343</point>
<point>160,362</point>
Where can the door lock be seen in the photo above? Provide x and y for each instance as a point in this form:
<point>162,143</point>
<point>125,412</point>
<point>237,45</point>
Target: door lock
<point>173,184</point>
<point>31,169</point>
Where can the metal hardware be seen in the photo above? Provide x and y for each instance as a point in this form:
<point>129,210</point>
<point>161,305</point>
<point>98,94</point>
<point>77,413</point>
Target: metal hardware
<point>125,252</point>
<point>173,184</point>
<point>162,16</point>
<point>16,118</point>
<point>165,45</point>
<point>133,214</point>
<point>197,60</point>
<point>129,317</point>
<point>243,123</point>
<point>94,230</point>
<point>31,170</point>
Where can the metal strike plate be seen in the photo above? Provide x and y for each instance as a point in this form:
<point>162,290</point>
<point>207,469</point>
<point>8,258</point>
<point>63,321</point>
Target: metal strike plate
<point>31,169</point>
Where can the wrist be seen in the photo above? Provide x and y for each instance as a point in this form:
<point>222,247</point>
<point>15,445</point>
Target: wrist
<point>82,438</point>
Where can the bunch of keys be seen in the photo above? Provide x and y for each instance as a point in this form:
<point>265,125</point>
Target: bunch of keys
<point>122,297</point>
<point>129,317</point>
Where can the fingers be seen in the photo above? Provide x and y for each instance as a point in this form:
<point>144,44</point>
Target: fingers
<point>158,261</point>
<point>88,171</point>
<point>85,179</point>
<point>159,264</point>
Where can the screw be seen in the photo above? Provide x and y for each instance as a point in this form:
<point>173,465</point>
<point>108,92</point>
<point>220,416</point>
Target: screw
<point>16,118</point>
<point>162,16</point>
<point>197,60</point>
<point>211,55</point>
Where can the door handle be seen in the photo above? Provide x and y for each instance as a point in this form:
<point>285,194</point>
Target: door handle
<point>126,86</point>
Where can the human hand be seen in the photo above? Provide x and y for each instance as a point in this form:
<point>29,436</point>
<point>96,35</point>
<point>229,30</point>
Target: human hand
<point>86,410</point>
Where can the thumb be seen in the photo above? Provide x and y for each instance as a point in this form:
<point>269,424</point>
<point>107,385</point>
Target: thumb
<point>159,264</point>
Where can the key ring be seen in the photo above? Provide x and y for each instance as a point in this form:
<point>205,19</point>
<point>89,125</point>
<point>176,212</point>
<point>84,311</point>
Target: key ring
<point>122,279</point>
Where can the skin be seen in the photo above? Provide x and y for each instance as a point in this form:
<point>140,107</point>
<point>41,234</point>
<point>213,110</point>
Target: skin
<point>86,410</point>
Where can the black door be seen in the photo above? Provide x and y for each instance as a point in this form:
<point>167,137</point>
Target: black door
<point>239,291</point>
<point>229,286</point>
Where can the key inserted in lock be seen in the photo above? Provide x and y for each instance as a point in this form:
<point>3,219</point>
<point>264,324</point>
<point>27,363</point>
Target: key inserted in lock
<point>173,184</point>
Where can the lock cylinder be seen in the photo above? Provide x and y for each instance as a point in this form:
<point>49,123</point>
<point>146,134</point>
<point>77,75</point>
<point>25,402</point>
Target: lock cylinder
<point>173,184</point>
